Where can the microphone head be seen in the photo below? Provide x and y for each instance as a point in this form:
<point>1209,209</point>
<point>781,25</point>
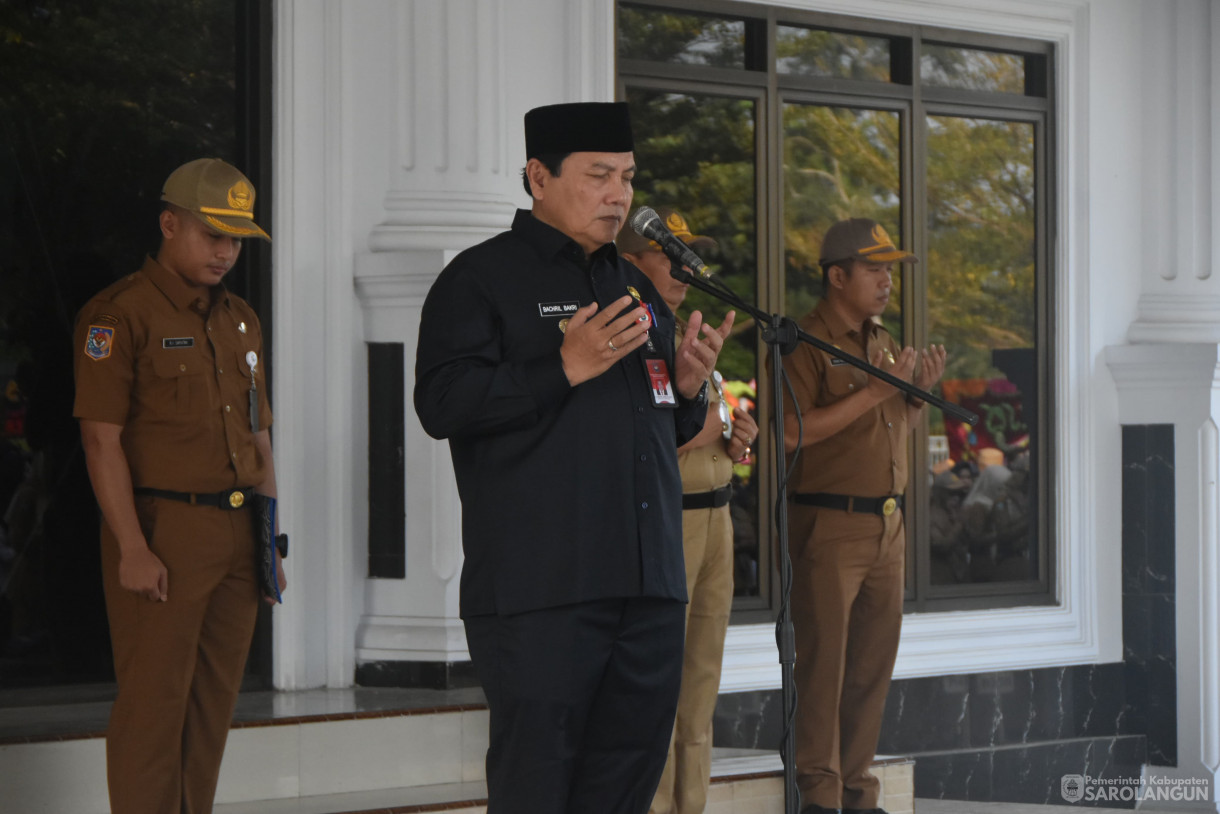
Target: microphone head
<point>647,223</point>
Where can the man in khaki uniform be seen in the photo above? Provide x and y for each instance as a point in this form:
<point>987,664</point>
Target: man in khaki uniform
<point>172,402</point>
<point>706,466</point>
<point>846,522</point>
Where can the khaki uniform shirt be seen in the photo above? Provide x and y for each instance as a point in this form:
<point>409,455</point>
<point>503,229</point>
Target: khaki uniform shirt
<point>167,362</point>
<point>707,467</point>
<point>867,458</point>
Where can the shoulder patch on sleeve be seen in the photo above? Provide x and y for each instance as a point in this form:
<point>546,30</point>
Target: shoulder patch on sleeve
<point>99,340</point>
<point>105,319</point>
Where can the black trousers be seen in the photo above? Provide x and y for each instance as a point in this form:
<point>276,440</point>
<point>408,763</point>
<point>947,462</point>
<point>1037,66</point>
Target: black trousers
<point>582,700</point>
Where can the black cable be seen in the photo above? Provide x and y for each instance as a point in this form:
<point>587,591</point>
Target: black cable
<point>788,691</point>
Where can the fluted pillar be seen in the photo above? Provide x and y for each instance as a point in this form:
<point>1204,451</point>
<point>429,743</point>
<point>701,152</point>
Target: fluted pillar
<point>448,158</point>
<point>1180,206</point>
<point>450,152</point>
<point>1170,373</point>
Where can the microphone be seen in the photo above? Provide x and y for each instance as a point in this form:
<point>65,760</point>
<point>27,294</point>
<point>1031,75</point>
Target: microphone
<point>647,223</point>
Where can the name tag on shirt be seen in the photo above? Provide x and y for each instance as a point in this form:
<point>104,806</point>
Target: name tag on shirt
<point>178,342</point>
<point>557,309</point>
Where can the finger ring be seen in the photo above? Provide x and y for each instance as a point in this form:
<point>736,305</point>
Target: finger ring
<point>610,342</point>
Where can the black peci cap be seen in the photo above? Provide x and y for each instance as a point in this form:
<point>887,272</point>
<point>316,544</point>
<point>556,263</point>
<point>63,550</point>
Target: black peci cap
<point>578,127</point>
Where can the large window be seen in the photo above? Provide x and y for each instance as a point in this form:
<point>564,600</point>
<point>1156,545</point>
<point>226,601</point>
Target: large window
<point>766,125</point>
<point>99,102</point>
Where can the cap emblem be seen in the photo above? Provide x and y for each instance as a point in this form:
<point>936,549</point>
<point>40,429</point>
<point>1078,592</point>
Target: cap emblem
<point>880,241</point>
<point>677,225</point>
<point>241,197</point>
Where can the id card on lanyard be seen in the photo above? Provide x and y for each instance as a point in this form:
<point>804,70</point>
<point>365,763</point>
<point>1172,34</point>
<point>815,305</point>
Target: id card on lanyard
<point>656,369</point>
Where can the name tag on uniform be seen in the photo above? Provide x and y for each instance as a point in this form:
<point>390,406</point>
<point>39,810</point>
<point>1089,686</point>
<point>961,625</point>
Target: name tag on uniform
<point>178,342</point>
<point>557,309</point>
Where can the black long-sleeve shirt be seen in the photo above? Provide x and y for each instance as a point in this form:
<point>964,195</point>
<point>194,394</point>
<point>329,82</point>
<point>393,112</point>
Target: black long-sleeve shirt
<point>569,494</point>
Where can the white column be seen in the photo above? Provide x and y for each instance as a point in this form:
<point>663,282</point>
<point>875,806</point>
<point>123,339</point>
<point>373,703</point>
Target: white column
<point>413,619</point>
<point>448,186</point>
<point>314,356</point>
<point>463,73</point>
<point>1180,206</point>
<point>448,158</point>
<point>1170,374</point>
<point>1179,384</point>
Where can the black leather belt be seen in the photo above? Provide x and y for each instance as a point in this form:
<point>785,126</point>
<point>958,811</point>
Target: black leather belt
<point>884,506</point>
<point>708,500</point>
<point>228,499</point>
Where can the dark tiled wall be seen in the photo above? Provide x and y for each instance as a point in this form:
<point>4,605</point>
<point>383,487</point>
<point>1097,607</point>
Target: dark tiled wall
<point>1011,736</point>
<point>1149,641</point>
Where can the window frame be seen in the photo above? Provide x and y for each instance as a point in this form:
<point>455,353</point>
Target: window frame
<point>914,103</point>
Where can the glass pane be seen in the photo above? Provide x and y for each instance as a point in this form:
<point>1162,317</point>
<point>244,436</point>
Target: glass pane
<point>812,52</point>
<point>971,69</point>
<point>838,163</point>
<point>981,306</point>
<point>99,105</point>
<point>687,39</point>
<point>695,153</point>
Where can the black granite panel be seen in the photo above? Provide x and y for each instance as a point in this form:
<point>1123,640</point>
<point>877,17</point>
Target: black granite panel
<point>1149,600</point>
<point>1162,709</point>
<point>962,712</point>
<point>428,674</point>
<point>1160,522</point>
<point>1004,708</point>
<point>1033,773</point>
<point>749,720</point>
<point>1134,509</point>
<point>1013,735</point>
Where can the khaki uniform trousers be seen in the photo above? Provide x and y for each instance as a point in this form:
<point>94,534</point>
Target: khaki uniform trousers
<point>847,615</point>
<point>707,543</point>
<point>179,663</point>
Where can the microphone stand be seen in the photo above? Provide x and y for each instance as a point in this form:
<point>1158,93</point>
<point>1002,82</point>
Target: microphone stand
<point>782,337</point>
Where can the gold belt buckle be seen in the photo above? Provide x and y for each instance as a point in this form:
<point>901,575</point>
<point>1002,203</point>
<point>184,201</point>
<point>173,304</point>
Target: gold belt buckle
<point>236,499</point>
<point>888,507</point>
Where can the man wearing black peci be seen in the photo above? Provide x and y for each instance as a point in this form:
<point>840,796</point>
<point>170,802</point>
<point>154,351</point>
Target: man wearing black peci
<point>549,364</point>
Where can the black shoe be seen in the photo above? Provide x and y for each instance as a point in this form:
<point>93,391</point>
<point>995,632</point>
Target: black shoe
<point>864,811</point>
<point>814,808</point>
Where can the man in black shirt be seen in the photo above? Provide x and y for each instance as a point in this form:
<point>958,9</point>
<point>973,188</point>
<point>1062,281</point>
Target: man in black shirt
<point>549,364</point>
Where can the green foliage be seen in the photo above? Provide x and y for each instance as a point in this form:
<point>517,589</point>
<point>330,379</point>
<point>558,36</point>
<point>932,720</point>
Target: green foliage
<point>811,52</point>
<point>696,154</point>
<point>972,69</point>
<point>981,221</point>
<point>100,100</point>
<point>658,36</point>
